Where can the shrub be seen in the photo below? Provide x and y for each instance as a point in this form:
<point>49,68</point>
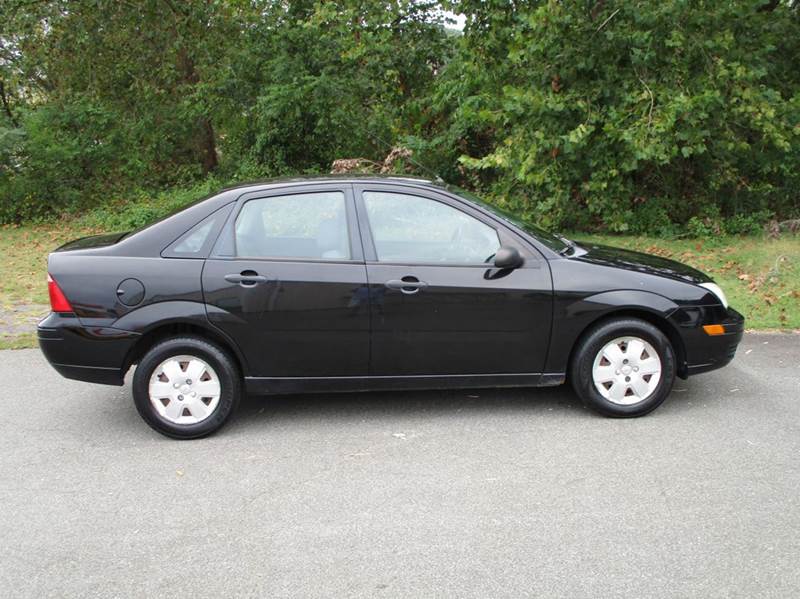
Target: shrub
<point>619,114</point>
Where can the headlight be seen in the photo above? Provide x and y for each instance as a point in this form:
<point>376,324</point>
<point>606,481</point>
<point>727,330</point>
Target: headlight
<point>716,290</point>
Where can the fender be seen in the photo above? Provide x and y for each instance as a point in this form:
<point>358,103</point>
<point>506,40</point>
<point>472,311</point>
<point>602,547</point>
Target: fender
<point>621,298</point>
<point>572,316</point>
<point>153,316</point>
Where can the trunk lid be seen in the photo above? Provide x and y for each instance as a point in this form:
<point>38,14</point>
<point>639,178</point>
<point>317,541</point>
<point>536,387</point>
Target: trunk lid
<point>91,242</point>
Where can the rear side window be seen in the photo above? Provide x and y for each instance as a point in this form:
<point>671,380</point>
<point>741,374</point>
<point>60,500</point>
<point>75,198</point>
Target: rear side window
<point>407,228</point>
<point>193,241</point>
<point>304,225</point>
<point>196,242</point>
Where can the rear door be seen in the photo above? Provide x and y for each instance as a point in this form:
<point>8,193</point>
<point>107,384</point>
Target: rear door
<point>287,282</point>
<point>438,305</point>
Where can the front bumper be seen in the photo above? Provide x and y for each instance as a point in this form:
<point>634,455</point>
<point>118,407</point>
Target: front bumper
<point>704,352</point>
<point>91,354</point>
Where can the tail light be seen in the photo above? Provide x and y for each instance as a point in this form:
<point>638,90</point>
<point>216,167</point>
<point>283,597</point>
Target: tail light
<point>58,301</point>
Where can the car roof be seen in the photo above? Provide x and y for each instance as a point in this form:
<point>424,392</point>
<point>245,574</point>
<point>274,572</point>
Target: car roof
<point>151,239</point>
<point>343,178</point>
<point>155,235</point>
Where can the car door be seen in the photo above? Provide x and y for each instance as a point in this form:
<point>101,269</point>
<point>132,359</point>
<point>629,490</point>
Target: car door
<point>287,282</point>
<point>438,305</point>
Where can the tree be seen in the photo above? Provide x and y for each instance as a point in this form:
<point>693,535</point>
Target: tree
<point>630,116</point>
<point>111,94</point>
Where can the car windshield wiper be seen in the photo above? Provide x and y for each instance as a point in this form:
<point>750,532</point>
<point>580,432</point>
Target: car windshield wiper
<point>570,246</point>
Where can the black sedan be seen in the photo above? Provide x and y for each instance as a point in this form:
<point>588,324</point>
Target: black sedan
<point>359,284</point>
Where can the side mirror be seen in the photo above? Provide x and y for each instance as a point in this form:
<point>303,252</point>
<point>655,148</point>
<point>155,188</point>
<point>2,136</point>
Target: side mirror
<point>507,257</point>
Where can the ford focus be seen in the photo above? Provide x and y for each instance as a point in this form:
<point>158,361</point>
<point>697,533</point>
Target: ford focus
<point>371,283</point>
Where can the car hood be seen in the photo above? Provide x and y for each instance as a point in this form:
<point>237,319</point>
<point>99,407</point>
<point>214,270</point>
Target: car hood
<point>637,261</point>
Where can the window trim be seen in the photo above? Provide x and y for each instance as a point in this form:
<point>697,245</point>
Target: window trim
<point>228,236</point>
<point>369,241</point>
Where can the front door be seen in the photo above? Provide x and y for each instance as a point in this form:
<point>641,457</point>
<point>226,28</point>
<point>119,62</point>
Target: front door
<point>288,283</point>
<point>439,306</point>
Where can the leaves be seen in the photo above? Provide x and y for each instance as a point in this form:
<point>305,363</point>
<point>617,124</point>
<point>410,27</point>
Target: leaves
<point>656,117</point>
<point>676,102</point>
<point>114,96</point>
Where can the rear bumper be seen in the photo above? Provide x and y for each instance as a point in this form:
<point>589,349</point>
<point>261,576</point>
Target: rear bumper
<point>705,352</point>
<point>91,354</point>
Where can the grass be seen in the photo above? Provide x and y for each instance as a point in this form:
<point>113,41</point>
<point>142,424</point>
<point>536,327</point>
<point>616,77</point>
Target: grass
<point>760,276</point>
<point>23,272</point>
<point>23,269</point>
<point>19,341</point>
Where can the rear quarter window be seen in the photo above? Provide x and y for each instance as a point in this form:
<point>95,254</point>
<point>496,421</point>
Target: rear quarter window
<point>197,241</point>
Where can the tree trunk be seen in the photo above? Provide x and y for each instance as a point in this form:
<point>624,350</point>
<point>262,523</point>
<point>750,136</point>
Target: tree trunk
<point>210,160</point>
<point>205,140</point>
<point>6,106</point>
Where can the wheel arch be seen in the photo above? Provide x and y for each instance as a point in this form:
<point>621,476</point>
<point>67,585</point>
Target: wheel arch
<point>173,328</point>
<point>658,320</point>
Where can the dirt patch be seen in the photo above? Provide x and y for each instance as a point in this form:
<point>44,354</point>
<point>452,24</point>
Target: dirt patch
<point>20,319</point>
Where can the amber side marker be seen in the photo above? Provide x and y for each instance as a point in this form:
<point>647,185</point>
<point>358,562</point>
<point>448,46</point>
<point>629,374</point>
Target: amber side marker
<point>714,329</point>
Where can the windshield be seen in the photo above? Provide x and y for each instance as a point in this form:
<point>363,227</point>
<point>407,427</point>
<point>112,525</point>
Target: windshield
<point>554,242</point>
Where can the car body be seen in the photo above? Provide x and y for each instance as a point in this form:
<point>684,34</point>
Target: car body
<point>366,283</point>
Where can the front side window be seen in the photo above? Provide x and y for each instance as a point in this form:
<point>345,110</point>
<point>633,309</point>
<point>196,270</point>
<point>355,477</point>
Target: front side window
<point>554,242</point>
<point>303,225</point>
<point>407,228</point>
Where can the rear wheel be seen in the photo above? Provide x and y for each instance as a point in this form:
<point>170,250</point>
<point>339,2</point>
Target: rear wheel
<point>623,367</point>
<point>186,387</point>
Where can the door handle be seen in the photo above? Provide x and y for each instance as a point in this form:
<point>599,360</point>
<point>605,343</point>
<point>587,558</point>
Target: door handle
<point>407,285</point>
<point>246,278</point>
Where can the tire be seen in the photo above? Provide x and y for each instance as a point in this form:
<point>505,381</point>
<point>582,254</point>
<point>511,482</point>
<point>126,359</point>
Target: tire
<point>197,407</point>
<point>631,386</point>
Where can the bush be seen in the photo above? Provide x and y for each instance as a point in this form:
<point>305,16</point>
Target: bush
<point>747,224</point>
<point>631,118</point>
<point>141,208</point>
<point>662,118</point>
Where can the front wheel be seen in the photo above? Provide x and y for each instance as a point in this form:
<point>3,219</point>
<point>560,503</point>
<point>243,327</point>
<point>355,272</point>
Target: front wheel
<point>623,367</point>
<point>186,387</point>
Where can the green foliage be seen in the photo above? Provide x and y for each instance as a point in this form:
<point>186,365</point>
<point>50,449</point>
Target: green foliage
<point>659,118</point>
<point>139,208</point>
<point>111,96</point>
<point>747,224</point>
<point>631,117</point>
<point>330,80</point>
<point>60,153</point>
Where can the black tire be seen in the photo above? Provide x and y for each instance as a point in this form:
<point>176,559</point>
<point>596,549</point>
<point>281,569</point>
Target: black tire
<point>213,355</point>
<point>594,340</point>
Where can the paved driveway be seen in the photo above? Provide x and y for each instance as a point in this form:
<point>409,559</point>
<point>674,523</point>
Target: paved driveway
<point>460,494</point>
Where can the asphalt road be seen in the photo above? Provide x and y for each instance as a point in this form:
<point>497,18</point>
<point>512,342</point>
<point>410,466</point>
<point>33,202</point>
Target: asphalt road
<point>458,494</point>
